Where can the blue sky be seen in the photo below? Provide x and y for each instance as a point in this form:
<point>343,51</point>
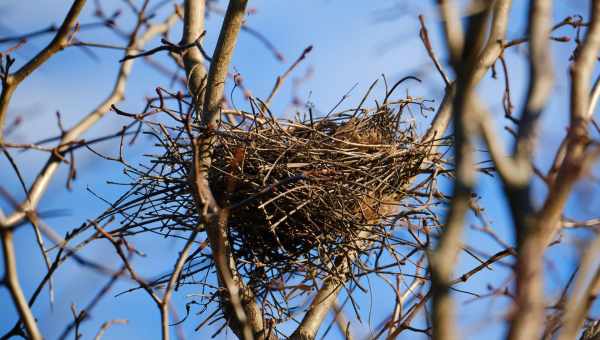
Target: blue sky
<point>354,43</point>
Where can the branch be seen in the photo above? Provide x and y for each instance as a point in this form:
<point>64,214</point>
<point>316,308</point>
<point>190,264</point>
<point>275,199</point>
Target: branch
<point>577,137</point>
<point>424,35</point>
<point>9,84</point>
<point>281,79</point>
<point>166,46</point>
<point>193,60</point>
<point>42,181</point>
<point>60,40</point>
<point>529,314</point>
<point>164,304</point>
<point>11,278</point>
<point>487,57</point>
<point>318,309</point>
<point>342,321</point>
<point>583,296</point>
<point>215,221</point>
<point>470,65</point>
<point>106,325</point>
<point>243,315</point>
<point>232,23</point>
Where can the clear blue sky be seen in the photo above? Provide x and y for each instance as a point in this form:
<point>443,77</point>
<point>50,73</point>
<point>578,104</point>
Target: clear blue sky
<point>354,43</point>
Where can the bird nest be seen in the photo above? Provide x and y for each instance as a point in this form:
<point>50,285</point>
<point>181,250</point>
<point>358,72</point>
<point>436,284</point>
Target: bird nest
<point>304,196</point>
<point>304,191</point>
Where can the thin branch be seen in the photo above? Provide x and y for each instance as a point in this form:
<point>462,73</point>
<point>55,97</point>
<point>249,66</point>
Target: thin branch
<point>11,278</point>
<point>281,79</point>
<point>60,40</point>
<point>424,34</point>
<point>106,325</point>
<point>42,181</point>
<point>181,260</point>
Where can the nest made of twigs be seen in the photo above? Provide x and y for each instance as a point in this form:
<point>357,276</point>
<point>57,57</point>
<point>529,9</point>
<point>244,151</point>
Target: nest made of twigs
<point>301,195</point>
<point>305,190</point>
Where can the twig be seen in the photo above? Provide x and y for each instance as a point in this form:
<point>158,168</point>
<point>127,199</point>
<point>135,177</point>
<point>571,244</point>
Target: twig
<point>167,46</point>
<point>106,325</point>
<point>424,35</point>
<point>281,79</point>
<point>175,275</point>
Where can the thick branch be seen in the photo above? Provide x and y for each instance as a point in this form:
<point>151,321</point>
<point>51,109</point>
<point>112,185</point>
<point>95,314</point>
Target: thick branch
<point>232,23</point>
<point>577,136</point>
<point>528,318</point>
<point>470,69</point>
<point>193,60</point>
<point>318,309</point>
<point>239,305</point>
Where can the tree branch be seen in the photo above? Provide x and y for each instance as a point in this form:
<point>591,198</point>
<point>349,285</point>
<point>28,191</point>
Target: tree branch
<point>193,60</point>
<point>232,23</point>
<point>60,40</point>
<point>11,278</point>
<point>529,314</point>
<point>470,66</point>
<point>42,181</point>
<point>577,136</point>
<point>582,295</point>
<point>243,315</point>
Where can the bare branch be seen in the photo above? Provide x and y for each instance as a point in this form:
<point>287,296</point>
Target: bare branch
<point>488,56</point>
<point>342,321</point>
<point>105,326</point>
<point>41,182</point>
<point>470,68</point>
<point>577,136</point>
<point>246,320</point>
<point>232,23</point>
<point>193,60</point>
<point>281,79</point>
<point>424,34</point>
<point>60,40</point>
<point>584,293</point>
<point>164,305</point>
<point>318,309</point>
<point>11,278</point>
